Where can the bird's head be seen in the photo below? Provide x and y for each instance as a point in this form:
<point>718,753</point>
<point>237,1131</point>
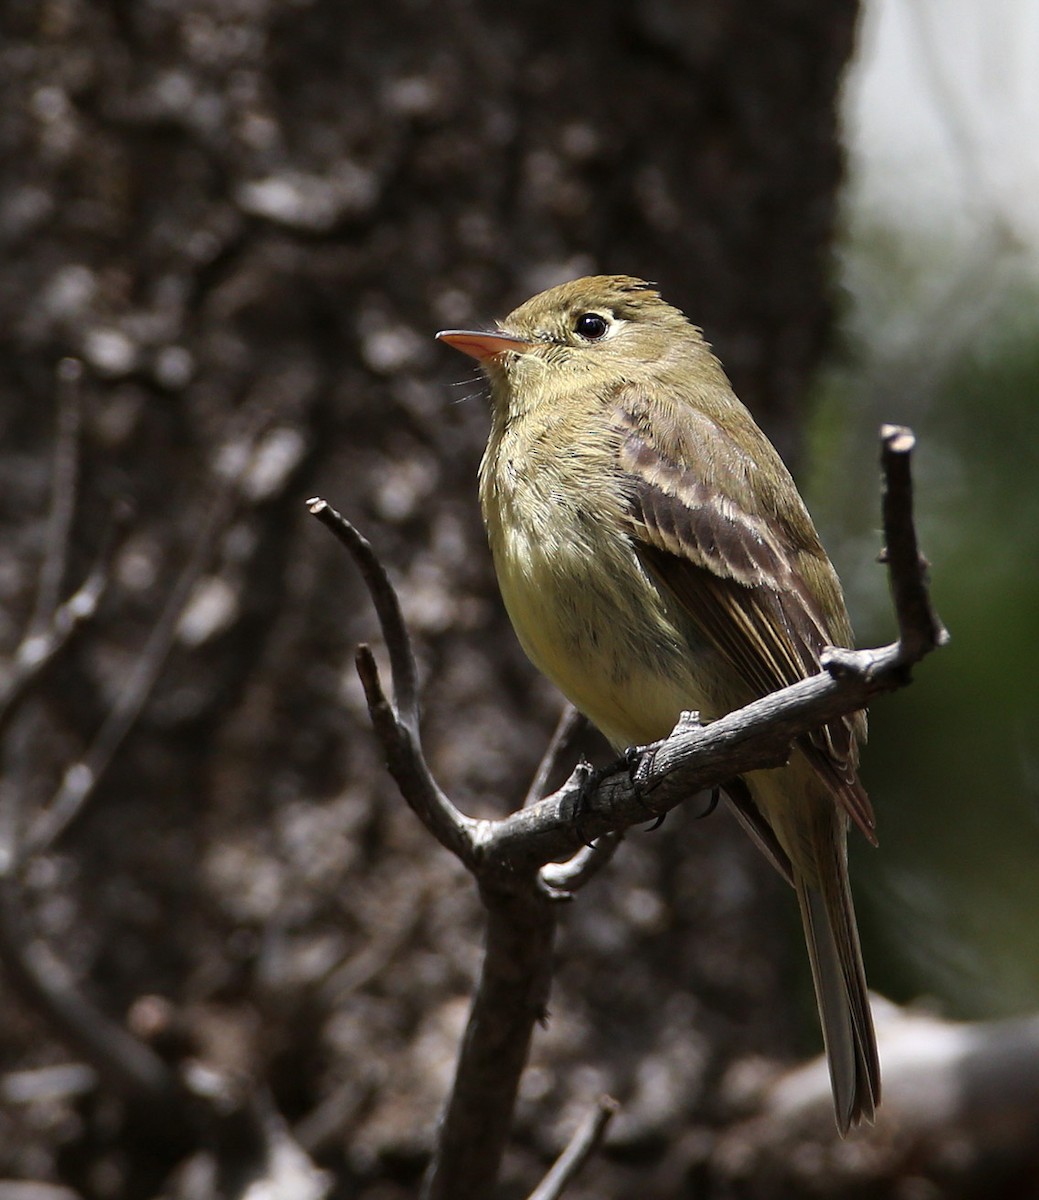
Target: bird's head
<point>604,329</point>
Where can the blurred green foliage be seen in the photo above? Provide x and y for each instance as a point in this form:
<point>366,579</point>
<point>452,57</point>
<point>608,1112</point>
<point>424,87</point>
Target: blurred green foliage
<point>949,904</point>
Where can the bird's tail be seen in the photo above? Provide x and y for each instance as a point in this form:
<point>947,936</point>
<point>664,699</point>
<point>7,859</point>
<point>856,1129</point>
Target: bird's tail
<point>840,989</point>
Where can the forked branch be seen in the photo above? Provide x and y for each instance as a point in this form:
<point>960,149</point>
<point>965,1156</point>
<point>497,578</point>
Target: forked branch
<point>507,856</point>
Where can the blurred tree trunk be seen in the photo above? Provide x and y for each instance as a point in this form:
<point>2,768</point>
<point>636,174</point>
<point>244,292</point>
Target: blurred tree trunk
<point>255,215</point>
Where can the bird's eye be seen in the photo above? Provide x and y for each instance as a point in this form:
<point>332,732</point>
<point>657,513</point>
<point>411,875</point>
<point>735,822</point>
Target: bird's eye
<point>591,326</point>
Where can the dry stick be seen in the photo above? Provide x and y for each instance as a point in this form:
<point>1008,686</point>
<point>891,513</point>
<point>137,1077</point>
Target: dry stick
<point>38,650</point>
<point>126,1063</point>
<point>82,777</point>
<point>511,994</point>
<point>397,724</point>
<point>563,879</point>
<point>691,760</point>
<point>506,855</point>
<point>51,626</point>
<point>387,606</point>
<point>583,1144</point>
<point>65,482</point>
<point>40,979</point>
<point>569,724</point>
<point>919,629</point>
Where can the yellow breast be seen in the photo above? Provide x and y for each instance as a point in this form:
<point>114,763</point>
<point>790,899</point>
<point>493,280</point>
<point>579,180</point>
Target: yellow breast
<point>585,611</point>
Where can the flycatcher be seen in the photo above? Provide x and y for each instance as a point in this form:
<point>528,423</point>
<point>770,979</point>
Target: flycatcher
<point>655,557</point>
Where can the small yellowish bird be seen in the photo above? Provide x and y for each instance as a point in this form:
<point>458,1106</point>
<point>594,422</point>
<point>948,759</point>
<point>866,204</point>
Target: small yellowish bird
<point>654,556</point>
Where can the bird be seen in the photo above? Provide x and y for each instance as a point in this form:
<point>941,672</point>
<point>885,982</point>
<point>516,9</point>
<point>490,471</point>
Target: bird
<point>655,557</point>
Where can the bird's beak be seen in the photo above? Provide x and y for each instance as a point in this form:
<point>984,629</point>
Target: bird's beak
<point>482,345</point>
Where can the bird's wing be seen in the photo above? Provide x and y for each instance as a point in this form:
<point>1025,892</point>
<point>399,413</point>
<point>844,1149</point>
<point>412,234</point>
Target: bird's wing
<point>736,569</point>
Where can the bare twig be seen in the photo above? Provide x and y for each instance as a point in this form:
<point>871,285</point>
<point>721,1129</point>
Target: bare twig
<point>65,480</point>
<point>586,1140</point>
<point>180,1107</point>
<point>563,879</point>
<point>407,764</point>
<point>52,625</point>
<point>397,723</point>
<point>919,629</point>
<point>387,606</point>
<point>570,723</point>
<point>82,777</point>
<point>322,1127</point>
<point>38,650</point>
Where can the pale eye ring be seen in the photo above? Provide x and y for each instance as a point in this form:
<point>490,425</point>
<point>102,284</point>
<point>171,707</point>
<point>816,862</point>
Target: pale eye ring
<point>592,326</point>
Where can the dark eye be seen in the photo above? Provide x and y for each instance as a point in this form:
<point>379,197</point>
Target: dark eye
<point>592,326</point>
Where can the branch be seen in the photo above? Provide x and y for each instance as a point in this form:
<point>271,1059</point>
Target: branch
<point>397,724</point>
<point>583,1145</point>
<point>511,994</point>
<point>82,777</point>
<point>507,856</point>
<point>52,625</point>
<point>570,724</point>
<point>919,629</point>
<point>563,879</point>
<point>387,606</point>
<point>659,777</point>
<point>64,485</point>
<point>44,641</point>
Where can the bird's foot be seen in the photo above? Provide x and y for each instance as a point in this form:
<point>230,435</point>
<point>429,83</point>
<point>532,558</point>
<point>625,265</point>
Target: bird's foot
<point>634,760</point>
